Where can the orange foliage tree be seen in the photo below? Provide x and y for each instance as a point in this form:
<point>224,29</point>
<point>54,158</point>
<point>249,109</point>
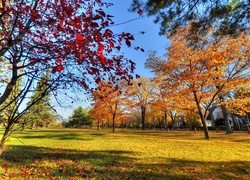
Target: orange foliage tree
<point>204,70</point>
<point>109,98</point>
<point>240,104</point>
<point>141,93</point>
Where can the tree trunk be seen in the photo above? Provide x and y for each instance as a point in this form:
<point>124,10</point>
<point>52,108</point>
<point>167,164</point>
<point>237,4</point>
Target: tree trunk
<point>212,116</point>
<point>98,123</point>
<point>248,123</point>
<point>143,109</point>
<point>236,122</point>
<point>1,149</point>
<point>165,119</point>
<point>4,137</point>
<point>203,120</point>
<point>113,119</point>
<point>225,116</point>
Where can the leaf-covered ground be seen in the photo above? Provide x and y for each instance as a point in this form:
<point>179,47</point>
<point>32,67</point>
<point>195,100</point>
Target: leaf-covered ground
<point>91,154</point>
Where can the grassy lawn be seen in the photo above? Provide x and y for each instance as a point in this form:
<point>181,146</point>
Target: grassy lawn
<point>91,154</point>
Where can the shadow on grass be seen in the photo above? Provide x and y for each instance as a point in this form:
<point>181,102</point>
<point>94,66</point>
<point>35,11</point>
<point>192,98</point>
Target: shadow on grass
<point>112,164</point>
<point>57,136</point>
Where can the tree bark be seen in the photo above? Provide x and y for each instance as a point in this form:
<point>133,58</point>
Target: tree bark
<point>225,116</point>
<point>1,149</point>
<point>248,122</point>
<point>203,120</point>
<point>4,137</point>
<point>98,123</point>
<point>113,119</point>
<point>165,119</point>
<point>143,109</point>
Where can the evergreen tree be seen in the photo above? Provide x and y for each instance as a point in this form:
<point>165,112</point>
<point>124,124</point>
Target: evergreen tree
<point>40,114</point>
<point>80,117</point>
<point>230,16</point>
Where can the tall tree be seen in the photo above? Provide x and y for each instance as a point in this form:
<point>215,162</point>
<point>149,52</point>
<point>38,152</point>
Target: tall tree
<point>80,117</point>
<point>230,16</point>
<point>110,98</point>
<point>41,112</point>
<point>71,39</point>
<point>141,92</point>
<point>99,115</point>
<point>206,71</point>
<point>240,104</point>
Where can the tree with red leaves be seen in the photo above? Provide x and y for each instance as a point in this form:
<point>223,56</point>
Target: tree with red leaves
<point>69,40</point>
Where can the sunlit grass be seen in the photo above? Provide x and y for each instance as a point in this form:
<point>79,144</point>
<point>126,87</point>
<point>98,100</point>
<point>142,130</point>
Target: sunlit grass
<point>92,154</point>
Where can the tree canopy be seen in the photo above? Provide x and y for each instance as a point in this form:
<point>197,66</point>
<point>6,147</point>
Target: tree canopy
<point>71,40</point>
<point>230,16</point>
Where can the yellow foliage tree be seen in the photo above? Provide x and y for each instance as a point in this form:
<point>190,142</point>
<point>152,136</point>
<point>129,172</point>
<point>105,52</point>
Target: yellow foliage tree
<point>205,70</point>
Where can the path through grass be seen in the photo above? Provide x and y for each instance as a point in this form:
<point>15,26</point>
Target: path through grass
<point>91,154</point>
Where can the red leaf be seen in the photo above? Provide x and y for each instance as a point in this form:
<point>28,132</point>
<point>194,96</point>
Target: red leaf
<point>79,37</point>
<point>102,13</point>
<point>111,44</point>
<point>140,12</point>
<point>79,61</point>
<point>60,68</point>
<point>108,33</point>
<point>100,47</point>
<point>128,43</point>
<point>69,10</point>
<point>94,25</point>
<point>102,58</point>
<point>137,76</point>
<point>61,22</point>
<point>59,61</point>
<point>54,70</point>
<point>97,17</point>
<point>81,55</point>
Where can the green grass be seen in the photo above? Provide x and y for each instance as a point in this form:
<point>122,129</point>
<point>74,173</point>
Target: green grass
<point>91,154</point>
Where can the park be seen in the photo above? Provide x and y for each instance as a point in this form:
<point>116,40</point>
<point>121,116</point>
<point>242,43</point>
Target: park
<point>60,153</point>
<point>97,89</point>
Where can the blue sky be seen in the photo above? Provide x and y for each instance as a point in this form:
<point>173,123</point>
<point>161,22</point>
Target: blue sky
<point>148,41</point>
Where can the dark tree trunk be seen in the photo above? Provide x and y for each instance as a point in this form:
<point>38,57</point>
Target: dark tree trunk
<point>1,149</point>
<point>247,118</point>
<point>143,109</point>
<point>225,116</point>
<point>4,137</point>
<point>98,123</point>
<point>203,119</point>
<point>165,119</point>
<point>212,117</point>
<point>236,122</point>
<point>113,120</point>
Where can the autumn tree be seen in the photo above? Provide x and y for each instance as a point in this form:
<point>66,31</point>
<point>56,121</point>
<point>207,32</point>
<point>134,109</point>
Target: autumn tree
<point>141,93</point>
<point>98,114</point>
<point>70,39</point>
<point>230,16</point>
<point>110,98</point>
<point>204,71</point>
<point>191,116</point>
<point>240,104</point>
